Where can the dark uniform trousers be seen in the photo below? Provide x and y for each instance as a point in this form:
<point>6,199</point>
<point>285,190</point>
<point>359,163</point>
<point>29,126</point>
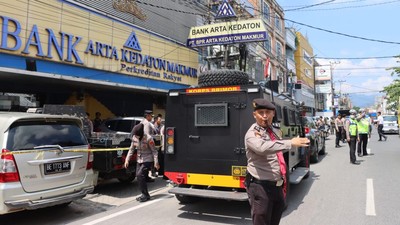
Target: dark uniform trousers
<point>352,145</point>
<point>380,132</point>
<point>142,171</point>
<point>362,144</point>
<point>339,135</point>
<point>267,203</point>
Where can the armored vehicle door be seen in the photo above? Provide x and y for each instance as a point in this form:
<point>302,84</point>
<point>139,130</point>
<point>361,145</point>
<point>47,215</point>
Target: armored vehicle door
<point>209,131</point>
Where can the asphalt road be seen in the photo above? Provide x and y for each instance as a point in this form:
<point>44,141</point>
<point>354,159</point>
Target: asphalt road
<point>336,192</point>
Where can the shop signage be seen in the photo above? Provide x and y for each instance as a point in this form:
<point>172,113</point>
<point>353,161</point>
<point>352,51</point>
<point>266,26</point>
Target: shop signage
<point>66,45</point>
<point>323,73</point>
<point>227,33</point>
<point>323,88</point>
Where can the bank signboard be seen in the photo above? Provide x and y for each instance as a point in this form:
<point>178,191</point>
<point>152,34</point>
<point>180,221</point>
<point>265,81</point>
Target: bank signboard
<point>93,41</point>
<point>227,33</point>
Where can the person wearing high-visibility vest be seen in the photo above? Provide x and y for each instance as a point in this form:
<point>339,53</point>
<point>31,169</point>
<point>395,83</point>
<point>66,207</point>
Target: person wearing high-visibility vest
<point>352,136</point>
<point>364,132</point>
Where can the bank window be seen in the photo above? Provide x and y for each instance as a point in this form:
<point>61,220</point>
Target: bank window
<point>267,43</point>
<point>279,51</point>
<point>307,73</point>
<point>307,58</point>
<point>278,22</point>
<point>265,11</point>
<point>211,115</point>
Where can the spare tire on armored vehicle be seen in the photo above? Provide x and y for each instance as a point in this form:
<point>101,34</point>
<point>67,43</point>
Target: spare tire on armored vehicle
<point>223,77</point>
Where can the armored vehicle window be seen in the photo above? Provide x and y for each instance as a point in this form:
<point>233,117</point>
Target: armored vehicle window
<point>207,115</point>
<point>286,116</point>
<point>298,118</point>
<point>292,120</point>
<point>278,114</point>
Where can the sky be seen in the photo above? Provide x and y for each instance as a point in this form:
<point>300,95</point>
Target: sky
<point>360,66</point>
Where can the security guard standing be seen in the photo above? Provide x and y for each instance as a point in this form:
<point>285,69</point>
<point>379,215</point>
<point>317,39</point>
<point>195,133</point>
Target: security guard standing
<point>265,165</point>
<point>352,136</point>
<point>364,132</point>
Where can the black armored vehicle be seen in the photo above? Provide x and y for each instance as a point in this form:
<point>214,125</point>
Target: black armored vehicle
<point>204,136</point>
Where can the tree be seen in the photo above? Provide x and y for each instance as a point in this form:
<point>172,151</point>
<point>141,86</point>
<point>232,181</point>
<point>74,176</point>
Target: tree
<point>393,90</point>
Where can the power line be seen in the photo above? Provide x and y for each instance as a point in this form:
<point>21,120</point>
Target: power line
<point>346,7</point>
<point>343,34</point>
<point>369,57</point>
<point>309,6</point>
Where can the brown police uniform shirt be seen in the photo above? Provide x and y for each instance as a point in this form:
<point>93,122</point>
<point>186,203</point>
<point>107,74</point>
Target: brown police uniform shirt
<point>262,162</point>
<point>146,150</point>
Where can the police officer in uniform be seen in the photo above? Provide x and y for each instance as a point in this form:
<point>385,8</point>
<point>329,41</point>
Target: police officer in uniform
<point>352,136</point>
<point>364,132</point>
<point>146,156</point>
<point>265,163</point>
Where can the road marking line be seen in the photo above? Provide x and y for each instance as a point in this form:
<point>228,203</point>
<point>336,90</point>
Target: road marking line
<point>370,203</point>
<point>125,211</point>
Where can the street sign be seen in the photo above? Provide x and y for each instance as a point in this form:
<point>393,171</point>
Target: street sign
<point>229,32</point>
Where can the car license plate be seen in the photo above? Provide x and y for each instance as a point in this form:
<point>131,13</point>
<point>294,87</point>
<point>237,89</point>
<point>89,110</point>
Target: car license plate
<point>57,167</point>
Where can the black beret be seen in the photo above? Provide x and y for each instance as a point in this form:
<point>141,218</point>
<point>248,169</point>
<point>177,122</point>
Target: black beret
<point>260,103</point>
<point>148,112</point>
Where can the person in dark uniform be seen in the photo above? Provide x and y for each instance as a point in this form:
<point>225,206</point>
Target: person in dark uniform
<point>266,168</point>
<point>97,122</point>
<point>352,136</point>
<point>146,156</point>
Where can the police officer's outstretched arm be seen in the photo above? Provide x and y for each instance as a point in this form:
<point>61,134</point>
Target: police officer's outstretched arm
<point>300,142</point>
<point>152,146</point>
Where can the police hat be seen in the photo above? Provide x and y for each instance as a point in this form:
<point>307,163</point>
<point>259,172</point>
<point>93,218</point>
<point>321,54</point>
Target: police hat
<point>260,103</point>
<point>148,112</point>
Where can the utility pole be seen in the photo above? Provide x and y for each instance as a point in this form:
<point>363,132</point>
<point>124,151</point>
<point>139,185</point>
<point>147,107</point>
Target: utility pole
<point>333,90</point>
<point>340,90</point>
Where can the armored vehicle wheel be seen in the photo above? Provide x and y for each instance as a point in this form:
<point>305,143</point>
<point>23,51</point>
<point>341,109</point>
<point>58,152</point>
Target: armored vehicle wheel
<point>127,179</point>
<point>184,199</point>
<point>223,77</point>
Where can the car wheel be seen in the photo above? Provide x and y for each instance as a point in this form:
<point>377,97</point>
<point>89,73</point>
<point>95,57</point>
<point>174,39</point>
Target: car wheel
<point>314,154</point>
<point>322,152</point>
<point>127,179</point>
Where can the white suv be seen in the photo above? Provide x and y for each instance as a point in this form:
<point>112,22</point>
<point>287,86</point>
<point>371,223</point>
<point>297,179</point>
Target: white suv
<point>44,161</point>
<point>390,124</point>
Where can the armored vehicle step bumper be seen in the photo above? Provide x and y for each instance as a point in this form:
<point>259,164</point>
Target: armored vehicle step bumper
<point>298,174</point>
<point>216,194</point>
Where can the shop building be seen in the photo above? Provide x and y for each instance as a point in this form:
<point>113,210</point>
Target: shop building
<point>304,88</point>
<point>115,57</point>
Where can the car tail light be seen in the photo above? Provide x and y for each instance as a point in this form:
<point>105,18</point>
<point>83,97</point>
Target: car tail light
<point>306,130</point>
<point>89,164</point>
<point>170,140</point>
<point>8,168</point>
